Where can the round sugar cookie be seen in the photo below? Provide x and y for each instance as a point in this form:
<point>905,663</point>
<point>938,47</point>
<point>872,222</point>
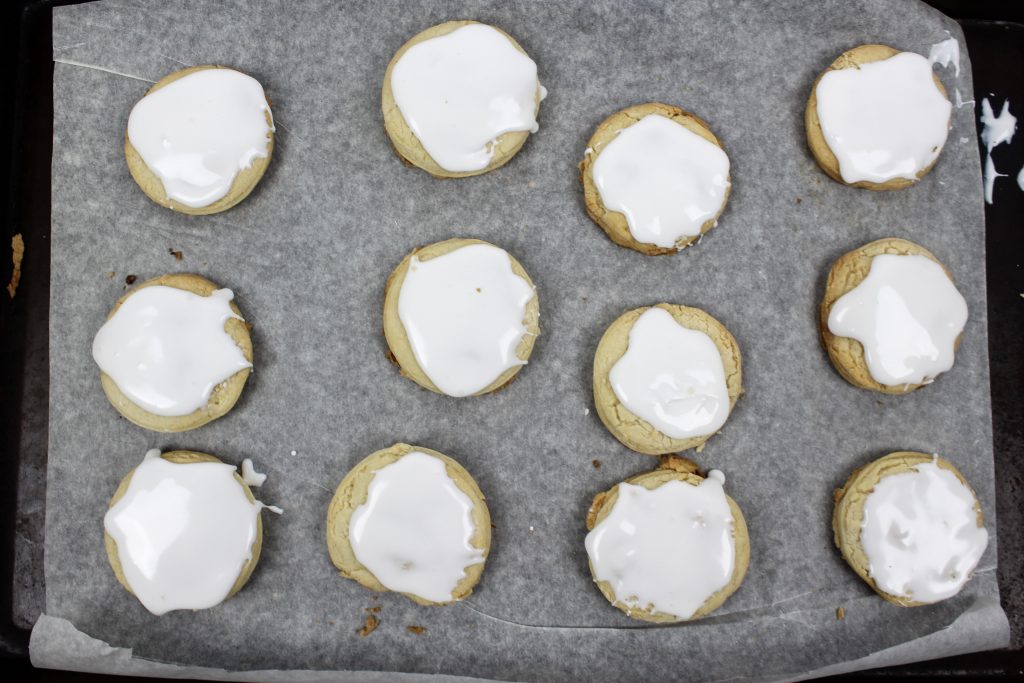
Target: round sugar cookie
<point>224,394</point>
<point>243,173</point>
<point>414,542</point>
<point>408,146</point>
<point>638,433</point>
<point>632,555</point>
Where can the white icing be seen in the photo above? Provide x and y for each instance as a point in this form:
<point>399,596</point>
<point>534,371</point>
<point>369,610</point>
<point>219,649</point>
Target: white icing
<point>907,314</point>
<point>414,530</point>
<point>883,120</point>
<point>461,91</point>
<point>183,533</point>
<point>672,377</point>
<point>667,550</point>
<point>666,180</point>
<point>946,52</point>
<point>997,130</point>
<point>250,476</point>
<point>166,348</point>
<point>1020,179</point>
<point>463,313</point>
<point>920,534</point>
<point>199,131</point>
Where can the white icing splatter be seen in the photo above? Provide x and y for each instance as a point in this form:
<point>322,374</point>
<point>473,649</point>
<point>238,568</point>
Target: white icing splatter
<point>946,52</point>
<point>997,130</point>
<point>250,476</point>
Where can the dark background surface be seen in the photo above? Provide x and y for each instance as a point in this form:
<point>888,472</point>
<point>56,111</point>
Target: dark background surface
<point>995,35</point>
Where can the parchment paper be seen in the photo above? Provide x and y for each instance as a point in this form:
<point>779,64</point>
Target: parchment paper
<point>308,254</point>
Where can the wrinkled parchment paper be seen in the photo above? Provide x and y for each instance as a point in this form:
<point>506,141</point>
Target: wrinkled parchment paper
<point>308,254</point>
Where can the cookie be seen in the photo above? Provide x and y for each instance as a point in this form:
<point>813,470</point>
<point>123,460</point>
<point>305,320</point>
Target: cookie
<point>910,525</point>
<point>174,353</point>
<point>650,560</point>
<point>902,284</point>
<point>200,139</point>
<point>183,531</point>
<point>410,520</point>
<point>877,118</point>
<point>631,394</point>
<point>460,99</point>
<point>460,317</point>
<point>655,178</point>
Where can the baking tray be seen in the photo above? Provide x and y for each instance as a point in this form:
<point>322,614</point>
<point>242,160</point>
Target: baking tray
<point>998,67</point>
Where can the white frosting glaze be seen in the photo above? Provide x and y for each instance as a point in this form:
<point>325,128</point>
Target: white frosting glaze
<point>666,180</point>
<point>920,534</point>
<point>672,377</point>
<point>669,549</point>
<point>199,131</point>
<point>413,532</point>
<point>883,120</point>
<point>461,91</point>
<point>907,314</point>
<point>946,52</point>
<point>183,533</point>
<point>463,313</point>
<point>166,348</point>
<point>997,130</point>
<point>250,476</point>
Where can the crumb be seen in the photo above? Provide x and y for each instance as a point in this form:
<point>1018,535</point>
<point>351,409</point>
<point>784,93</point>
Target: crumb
<point>17,254</point>
<point>369,627</point>
<point>596,464</point>
<point>294,453</point>
<point>176,253</point>
<point>584,298</point>
<point>375,609</point>
<point>130,280</point>
<point>879,402</point>
<point>418,630</point>
<point>840,613</point>
<point>700,448</point>
<point>477,290</point>
<point>248,326</point>
<point>493,525</point>
<point>331,622</point>
<point>531,529</point>
<point>798,200</point>
<point>110,274</point>
<point>586,411</point>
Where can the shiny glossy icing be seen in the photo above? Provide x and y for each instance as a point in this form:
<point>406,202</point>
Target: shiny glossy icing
<point>946,53</point>
<point>463,313</point>
<point>197,132</point>
<point>907,314</point>
<point>667,549</point>
<point>460,92</point>
<point>166,348</point>
<point>183,533</point>
<point>883,120</point>
<point>665,179</point>
<point>672,377</point>
<point>414,530</point>
<point>920,534</point>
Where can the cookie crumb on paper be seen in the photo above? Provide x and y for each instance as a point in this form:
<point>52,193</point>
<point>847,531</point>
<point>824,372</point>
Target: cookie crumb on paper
<point>17,254</point>
<point>369,627</point>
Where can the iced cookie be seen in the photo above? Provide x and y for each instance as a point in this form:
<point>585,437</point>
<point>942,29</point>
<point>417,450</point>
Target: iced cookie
<point>460,99</point>
<point>460,317</point>
<point>910,525</point>
<point>200,139</point>
<point>655,178</point>
<point>183,530</point>
<point>174,353</point>
<point>667,545</point>
<point>413,521</point>
<point>877,118</point>
<point>666,378</point>
<point>891,318</point>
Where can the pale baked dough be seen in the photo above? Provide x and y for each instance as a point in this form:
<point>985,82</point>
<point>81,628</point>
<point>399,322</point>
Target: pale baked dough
<point>852,59</point>
<point>353,492</point>
<point>405,143</point>
<point>614,223</point>
<point>673,468</point>
<point>846,354</point>
<point>244,182</point>
<point>224,395</point>
<point>184,457</point>
<point>849,509</point>
<point>632,430</point>
<point>399,349</point>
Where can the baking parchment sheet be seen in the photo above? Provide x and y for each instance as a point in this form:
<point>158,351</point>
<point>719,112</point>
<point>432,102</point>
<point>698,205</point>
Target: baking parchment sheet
<point>308,254</point>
